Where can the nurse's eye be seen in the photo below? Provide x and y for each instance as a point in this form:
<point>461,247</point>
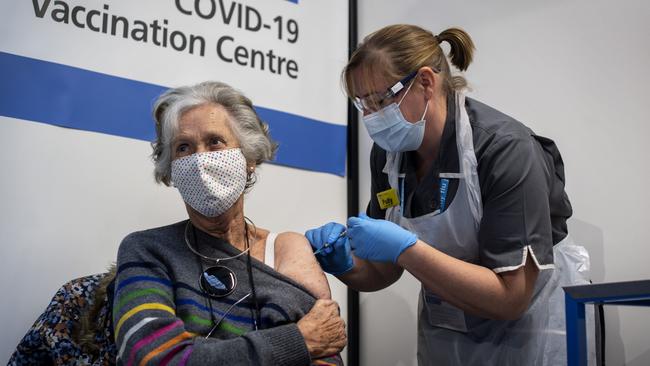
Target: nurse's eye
<point>378,102</point>
<point>384,102</point>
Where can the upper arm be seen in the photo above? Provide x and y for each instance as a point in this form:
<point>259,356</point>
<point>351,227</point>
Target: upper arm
<point>294,258</point>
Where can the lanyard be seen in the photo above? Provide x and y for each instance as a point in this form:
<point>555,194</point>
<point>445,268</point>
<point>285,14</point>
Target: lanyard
<point>444,189</point>
<point>402,199</point>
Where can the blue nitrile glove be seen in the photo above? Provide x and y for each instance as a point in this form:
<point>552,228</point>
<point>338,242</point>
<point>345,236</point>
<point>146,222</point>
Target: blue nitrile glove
<point>378,240</point>
<point>333,249</point>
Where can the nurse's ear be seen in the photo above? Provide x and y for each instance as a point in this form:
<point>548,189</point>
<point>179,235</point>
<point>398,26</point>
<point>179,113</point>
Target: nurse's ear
<point>428,79</point>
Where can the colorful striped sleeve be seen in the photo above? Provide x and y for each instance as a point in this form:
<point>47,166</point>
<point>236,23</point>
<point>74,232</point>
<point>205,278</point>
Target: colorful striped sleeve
<point>146,327</point>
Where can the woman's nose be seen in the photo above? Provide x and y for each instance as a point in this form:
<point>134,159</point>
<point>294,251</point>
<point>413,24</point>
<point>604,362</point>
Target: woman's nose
<point>200,148</point>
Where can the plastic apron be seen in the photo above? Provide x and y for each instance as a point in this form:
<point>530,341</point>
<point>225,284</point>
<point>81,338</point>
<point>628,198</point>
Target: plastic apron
<point>447,335</point>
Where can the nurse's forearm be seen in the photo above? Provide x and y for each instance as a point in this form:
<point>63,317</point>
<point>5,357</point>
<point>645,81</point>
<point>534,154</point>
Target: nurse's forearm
<point>473,288</point>
<point>369,276</point>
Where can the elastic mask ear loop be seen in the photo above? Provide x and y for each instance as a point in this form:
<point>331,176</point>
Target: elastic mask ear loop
<point>407,91</point>
<point>426,106</point>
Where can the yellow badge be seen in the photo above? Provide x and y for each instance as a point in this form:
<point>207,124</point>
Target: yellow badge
<point>388,198</point>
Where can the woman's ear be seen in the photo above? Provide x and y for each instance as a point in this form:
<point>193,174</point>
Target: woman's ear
<point>427,79</point>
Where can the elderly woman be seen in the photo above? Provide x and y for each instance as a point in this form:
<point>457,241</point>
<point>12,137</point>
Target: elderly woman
<point>215,289</point>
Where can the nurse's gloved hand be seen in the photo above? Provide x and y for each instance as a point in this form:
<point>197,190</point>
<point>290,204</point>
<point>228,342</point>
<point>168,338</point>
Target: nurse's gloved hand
<point>378,240</point>
<point>332,249</point>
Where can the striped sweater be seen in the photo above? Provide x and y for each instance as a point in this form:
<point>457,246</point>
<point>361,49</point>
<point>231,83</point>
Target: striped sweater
<point>161,315</point>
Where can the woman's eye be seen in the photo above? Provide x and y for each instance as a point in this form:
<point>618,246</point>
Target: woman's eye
<point>182,148</point>
<point>215,141</point>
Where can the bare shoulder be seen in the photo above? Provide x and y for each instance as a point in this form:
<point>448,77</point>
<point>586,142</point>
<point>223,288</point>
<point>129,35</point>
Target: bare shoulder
<point>294,258</point>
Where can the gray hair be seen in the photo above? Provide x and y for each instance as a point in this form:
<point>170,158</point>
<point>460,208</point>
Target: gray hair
<point>252,133</point>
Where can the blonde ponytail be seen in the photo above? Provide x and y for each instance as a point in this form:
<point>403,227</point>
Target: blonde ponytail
<point>462,47</point>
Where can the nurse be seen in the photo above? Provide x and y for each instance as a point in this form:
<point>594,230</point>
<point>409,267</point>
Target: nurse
<point>467,199</point>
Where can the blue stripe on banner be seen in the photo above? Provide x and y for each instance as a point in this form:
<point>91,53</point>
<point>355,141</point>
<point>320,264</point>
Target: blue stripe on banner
<point>66,96</point>
<point>306,143</point>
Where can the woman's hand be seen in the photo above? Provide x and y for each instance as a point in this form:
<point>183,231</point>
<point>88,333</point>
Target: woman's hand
<point>323,329</point>
<point>332,248</point>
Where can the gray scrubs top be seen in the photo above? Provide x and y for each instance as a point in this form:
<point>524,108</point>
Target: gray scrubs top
<point>522,185</point>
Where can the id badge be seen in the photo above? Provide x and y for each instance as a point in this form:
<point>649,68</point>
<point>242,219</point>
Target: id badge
<point>443,314</point>
<point>388,199</point>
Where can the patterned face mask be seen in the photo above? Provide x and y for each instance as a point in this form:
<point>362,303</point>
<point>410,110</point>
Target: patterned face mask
<point>210,182</point>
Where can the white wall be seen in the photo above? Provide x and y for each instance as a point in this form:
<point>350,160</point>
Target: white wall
<point>575,71</point>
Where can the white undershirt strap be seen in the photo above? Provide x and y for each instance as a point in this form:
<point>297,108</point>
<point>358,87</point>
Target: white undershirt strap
<point>451,175</point>
<point>269,251</point>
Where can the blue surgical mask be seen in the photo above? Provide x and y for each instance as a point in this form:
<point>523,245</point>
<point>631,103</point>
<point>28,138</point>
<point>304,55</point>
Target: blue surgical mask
<point>391,131</point>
